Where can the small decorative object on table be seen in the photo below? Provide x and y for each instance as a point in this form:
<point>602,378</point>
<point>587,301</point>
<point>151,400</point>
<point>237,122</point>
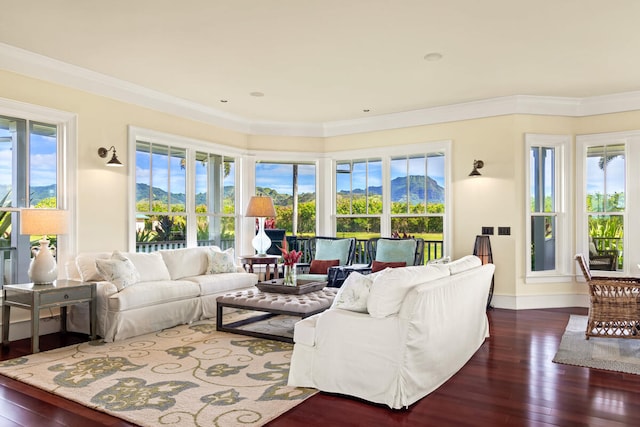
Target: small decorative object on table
<point>290,260</point>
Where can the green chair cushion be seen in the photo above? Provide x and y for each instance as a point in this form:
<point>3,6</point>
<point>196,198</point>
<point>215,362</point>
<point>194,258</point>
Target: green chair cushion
<point>333,249</point>
<point>396,251</point>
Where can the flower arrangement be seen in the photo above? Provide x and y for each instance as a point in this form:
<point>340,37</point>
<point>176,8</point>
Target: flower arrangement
<point>290,257</point>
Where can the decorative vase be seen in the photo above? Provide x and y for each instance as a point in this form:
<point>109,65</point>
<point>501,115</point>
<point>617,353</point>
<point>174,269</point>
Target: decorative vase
<point>289,275</point>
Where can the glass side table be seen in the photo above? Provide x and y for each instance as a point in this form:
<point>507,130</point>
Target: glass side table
<point>61,293</point>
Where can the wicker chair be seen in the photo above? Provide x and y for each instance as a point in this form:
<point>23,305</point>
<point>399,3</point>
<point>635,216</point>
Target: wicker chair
<point>614,306</point>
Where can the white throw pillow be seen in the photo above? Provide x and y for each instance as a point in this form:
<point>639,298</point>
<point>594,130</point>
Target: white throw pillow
<point>86,265</point>
<point>150,266</point>
<point>221,261</point>
<point>465,263</point>
<point>354,293</point>
<point>185,262</point>
<point>389,288</point>
<point>118,270</point>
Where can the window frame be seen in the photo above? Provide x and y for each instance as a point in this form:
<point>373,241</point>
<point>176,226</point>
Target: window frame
<point>386,154</point>
<point>631,141</point>
<point>563,259</point>
<point>191,146</point>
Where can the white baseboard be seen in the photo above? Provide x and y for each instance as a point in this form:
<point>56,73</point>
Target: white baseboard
<point>539,301</point>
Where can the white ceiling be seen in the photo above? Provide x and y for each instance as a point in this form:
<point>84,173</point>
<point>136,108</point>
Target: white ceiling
<point>328,60</point>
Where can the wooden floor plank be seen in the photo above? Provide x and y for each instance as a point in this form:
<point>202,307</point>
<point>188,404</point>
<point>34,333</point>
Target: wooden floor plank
<point>511,381</point>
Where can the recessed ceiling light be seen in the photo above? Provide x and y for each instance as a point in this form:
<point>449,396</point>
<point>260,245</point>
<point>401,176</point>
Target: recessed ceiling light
<point>258,94</point>
<point>366,110</point>
<point>433,56</point>
<point>223,100</point>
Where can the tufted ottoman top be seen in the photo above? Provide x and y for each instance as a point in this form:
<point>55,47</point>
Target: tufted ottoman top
<point>274,302</point>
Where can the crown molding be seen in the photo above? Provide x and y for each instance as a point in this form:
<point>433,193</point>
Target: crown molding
<point>34,65</point>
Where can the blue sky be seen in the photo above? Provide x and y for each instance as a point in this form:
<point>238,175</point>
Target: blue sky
<point>280,177</point>
<point>42,162</point>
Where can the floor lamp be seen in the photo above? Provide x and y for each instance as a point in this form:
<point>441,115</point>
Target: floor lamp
<point>482,249</point>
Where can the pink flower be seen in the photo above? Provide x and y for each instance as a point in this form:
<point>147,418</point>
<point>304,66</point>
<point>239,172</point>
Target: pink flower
<point>290,257</point>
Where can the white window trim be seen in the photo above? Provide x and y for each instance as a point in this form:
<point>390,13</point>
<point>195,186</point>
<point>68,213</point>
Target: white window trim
<point>564,259</point>
<point>386,153</point>
<point>631,245</point>
<point>191,145</point>
<point>67,244</point>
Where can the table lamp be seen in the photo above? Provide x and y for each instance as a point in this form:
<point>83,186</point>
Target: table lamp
<point>261,207</point>
<point>41,222</point>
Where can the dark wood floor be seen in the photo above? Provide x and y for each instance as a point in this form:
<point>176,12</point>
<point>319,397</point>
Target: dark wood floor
<point>510,381</point>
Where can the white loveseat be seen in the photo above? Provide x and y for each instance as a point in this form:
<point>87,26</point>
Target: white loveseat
<point>395,336</point>
<point>171,288</point>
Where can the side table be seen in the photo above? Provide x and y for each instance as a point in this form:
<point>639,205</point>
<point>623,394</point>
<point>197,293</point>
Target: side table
<point>338,274</point>
<point>267,260</point>
<point>61,293</point>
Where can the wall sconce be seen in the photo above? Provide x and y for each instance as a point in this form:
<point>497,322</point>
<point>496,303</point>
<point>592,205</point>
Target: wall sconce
<point>102,152</point>
<point>477,164</point>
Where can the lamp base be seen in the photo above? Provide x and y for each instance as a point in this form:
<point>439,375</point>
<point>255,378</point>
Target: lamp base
<point>261,242</point>
<point>43,269</point>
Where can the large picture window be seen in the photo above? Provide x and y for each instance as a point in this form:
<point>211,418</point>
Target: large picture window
<point>185,194</point>
<point>401,192</point>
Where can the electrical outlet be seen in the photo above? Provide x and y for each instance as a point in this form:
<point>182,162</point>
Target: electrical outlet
<point>504,231</point>
<point>487,231</point>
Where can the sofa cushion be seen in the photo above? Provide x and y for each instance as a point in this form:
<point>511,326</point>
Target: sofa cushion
<point>150,266</point>
<point>391,286</point>
<point>223,282</point>
<point>321,266</point>
<point>354,293</point>
<point>396,250</point>
<point>380,265</point>
<point>329,248</point>
<point>118,270</point>
<point>185,262</point>
<point>463,264</point>
<point>220,261</point>
<point>145,294</point>
<point>86,265</point>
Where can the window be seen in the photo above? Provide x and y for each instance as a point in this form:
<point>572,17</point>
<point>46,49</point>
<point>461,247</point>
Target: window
<point>31,175</point>
<point>292,186</point>
<point>400,191</point>
<point>607,195</point>
<point>358,198</point>
<point>418,199</point>
<point>185,193</point>
<point>547,238</point>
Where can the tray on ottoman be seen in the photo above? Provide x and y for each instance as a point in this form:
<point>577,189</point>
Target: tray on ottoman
<point>277,286</point>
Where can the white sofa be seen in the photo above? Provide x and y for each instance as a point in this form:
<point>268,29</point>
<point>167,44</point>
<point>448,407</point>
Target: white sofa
<point>395,336</point>
<point>171,287</point>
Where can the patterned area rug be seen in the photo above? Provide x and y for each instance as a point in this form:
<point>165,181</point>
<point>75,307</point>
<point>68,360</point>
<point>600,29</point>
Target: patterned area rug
<point>190,375</point>
<point>611,354</point>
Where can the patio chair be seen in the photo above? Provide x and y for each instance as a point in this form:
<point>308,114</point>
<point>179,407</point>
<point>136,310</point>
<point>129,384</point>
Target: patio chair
<point>614,305</point>
<point>602,259</point>
<point>391,252</point>
<point>326,252</point>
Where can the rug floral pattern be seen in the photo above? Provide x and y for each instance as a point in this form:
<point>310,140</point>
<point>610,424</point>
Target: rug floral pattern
<point>190,375</point>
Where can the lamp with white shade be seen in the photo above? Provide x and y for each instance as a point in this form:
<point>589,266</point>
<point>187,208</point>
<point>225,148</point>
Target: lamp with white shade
<point>261,207</point>
<point>42,222</point>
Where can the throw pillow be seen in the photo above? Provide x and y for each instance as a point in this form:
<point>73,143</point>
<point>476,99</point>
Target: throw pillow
<point>465,263</point>
<point>118,270</point>
<point>330,248</point>
<point>354,293</point>
<point>379,265</point>
<point>321,266</point>
<point>220,261</point>
<point>151,266</point>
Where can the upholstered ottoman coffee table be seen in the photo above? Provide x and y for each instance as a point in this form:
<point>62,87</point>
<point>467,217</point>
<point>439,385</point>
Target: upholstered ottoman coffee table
<point>266,305</point>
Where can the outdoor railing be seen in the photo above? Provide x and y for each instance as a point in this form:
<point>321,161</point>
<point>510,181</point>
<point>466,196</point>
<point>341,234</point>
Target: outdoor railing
<point>432,248</point>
